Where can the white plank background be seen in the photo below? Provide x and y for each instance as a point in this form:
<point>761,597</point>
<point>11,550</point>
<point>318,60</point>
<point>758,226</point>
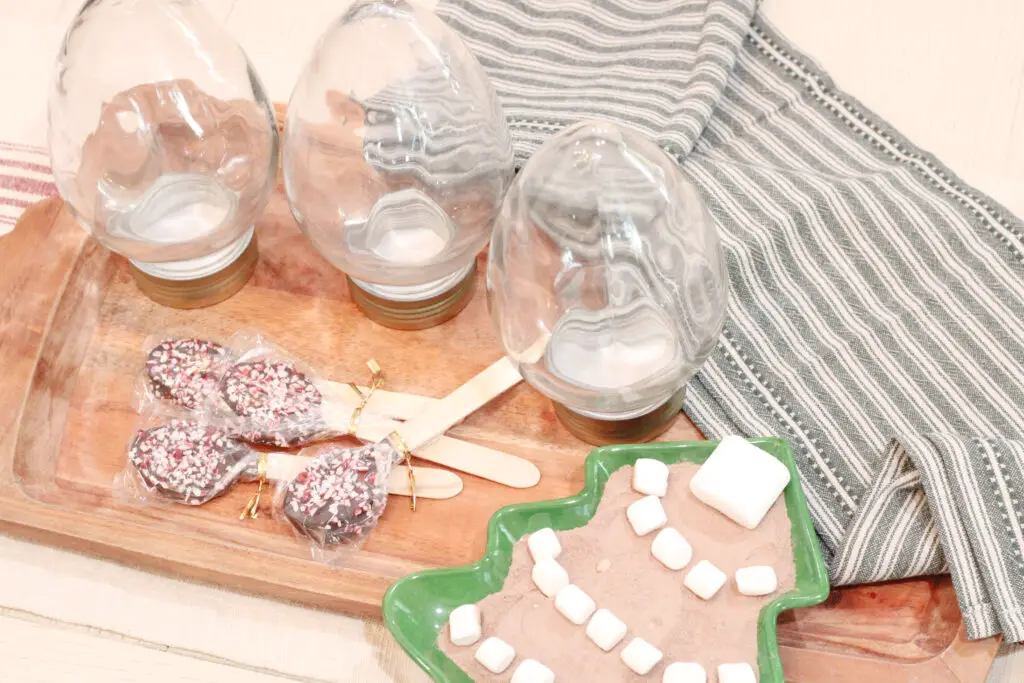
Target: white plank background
<point>949,75</point>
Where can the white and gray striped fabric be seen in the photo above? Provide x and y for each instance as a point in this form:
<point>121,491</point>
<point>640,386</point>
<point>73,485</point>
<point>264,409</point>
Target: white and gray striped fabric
<point>877,310</point>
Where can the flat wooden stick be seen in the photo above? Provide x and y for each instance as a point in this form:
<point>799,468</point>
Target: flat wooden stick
<point>423,434</point>
<point>392,404</point>
<point>441,415</point>
<point>403,406</point>
<point>464,456</point>
<point>430,482</point>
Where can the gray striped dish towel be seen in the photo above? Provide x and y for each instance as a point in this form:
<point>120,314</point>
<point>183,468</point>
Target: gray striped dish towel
<point>877,309</point>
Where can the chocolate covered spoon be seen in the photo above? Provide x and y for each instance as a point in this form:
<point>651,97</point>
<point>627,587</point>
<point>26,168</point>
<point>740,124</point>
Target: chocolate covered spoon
<point>337,499</point>
<point>185,371</point>
<point>192,463</point>
<point>281,406</point>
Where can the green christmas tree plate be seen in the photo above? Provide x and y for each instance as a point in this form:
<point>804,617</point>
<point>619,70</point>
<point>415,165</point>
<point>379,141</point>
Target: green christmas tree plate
<point>416,607</point>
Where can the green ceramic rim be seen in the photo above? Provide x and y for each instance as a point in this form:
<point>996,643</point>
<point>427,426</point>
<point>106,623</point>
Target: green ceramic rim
<point>416,607</point>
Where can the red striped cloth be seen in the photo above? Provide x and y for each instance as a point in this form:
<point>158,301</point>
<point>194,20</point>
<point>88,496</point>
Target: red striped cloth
<point>25,178</point>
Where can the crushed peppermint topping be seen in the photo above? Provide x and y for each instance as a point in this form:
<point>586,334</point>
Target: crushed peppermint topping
<point>281,402</point>
<point>184,371</point>
<point>186,461</point>
<point>341,494</point>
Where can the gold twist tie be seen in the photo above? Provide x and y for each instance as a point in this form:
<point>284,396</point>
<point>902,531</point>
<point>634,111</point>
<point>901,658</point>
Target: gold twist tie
<point>376,380</point>
<point>252,508</point>
<point>397,439</point>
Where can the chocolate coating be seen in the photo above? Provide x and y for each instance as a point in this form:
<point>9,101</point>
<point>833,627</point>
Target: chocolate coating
<point>339,497</point>
<point>184,371</point>
<point>281,404</point>
<point>188,462</point>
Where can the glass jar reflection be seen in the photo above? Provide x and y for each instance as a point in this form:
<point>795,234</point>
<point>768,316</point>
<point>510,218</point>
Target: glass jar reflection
<point>606,280</point>
<point>163,143</point>
<point>396,159</point>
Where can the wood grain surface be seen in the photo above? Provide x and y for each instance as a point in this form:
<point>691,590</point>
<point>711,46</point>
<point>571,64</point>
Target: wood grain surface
<point>72,325</point>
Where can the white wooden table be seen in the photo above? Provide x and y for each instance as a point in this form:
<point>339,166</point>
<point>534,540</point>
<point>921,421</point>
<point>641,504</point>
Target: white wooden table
<point>951,79</point>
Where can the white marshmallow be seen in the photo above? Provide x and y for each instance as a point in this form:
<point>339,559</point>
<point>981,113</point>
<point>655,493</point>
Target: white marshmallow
<point>650,477</point>
<point>464,625</point>
<point>646,515</point>
<point>671,549</point>
<point>574,604</point>
<point>736,673</point>
<point>544,543</point>
<point>495,655</point>
<point>550,576</point>
<point>684,672</point>
<point>705,579</point>
<point>756,581</point>
<point>606,629</point>
<point>532,671</point>
<point>740,480</point>
<point>640,656</point>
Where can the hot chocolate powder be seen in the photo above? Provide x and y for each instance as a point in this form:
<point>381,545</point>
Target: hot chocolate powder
<point>649,598</point>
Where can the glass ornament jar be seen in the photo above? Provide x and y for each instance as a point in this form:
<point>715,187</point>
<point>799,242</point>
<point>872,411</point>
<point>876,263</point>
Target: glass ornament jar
<point>396,159</point>
<point>163,144</point>
<point>607,281</point>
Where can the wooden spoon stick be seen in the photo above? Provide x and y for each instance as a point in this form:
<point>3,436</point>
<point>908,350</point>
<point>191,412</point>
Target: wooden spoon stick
<point>421,434</point>
<point>393,404</point>
<point>481,461</point>
<point>464,456</point>
<point>405,406</point>
<point>439,417</point>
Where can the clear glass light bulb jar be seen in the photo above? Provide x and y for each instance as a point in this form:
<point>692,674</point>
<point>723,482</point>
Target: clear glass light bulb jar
<point>396,159</point>
<point>607,281</point>
<point>163,144</point>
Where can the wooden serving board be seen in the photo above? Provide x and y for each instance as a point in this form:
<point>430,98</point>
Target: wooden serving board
<point>72,325</point>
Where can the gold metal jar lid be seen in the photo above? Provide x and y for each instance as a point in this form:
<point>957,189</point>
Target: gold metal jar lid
<point>200,292</point>
<point>415,315</point>
<point>646,427</point>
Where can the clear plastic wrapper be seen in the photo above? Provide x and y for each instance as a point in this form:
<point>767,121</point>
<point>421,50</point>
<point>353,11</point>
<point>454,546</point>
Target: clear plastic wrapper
<point>181,367</point>
<point>338,499</point>
<point>277,397</point>
<point>177,457</point>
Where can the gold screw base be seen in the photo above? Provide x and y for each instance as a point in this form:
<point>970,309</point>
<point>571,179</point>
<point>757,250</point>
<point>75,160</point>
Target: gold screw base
<point>646,427</point>
<point>415,315</point>
<point>204,291</point>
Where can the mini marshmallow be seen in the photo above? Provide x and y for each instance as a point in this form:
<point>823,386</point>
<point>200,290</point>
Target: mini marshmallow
<point>705,579</point>
<point>736,673</point>
<point>740,480</point>
<point>671,549</point>
<point>606,629</point>
<point>550,576</point>
<point>640,656</point>
<point>756,581</point>
<point>574,604</point>
<point>464,625</point>
<point>532,671</point>
<point>544,543</point>
<point>495,655</point>
<point>650,477</point>
<point>646,515</point>
<point>685,672</point>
